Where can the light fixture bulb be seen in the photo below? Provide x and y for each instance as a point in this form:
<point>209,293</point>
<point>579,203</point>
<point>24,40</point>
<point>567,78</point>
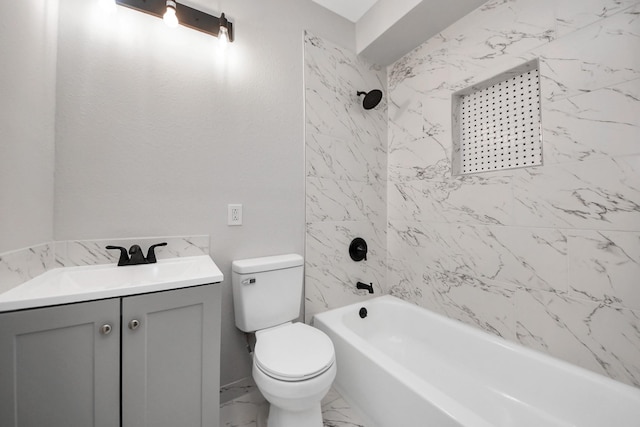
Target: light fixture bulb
<point>223,36</point>
<point>223,31</point>
<point>170,17</point>
<point>108,6</point>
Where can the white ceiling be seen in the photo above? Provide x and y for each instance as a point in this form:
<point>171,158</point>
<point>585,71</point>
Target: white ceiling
<point>388,29</point>
<point>350,9</point>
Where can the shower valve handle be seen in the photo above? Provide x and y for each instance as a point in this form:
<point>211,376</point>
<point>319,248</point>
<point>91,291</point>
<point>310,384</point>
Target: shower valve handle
<point>358,249</point>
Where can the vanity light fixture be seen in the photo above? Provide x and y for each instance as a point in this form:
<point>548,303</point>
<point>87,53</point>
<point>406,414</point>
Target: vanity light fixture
<point>174,14</point>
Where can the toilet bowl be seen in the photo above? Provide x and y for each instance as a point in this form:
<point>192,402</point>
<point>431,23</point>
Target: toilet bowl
<point>293,363</point>
<point>294,367</point>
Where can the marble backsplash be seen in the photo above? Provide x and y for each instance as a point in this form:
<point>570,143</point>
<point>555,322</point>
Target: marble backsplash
<point>89,252</point>
<point>17,267</point>
<point>547,256</point>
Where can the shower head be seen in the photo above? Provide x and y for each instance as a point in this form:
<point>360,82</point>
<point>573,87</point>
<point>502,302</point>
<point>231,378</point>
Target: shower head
<point>371,99</point>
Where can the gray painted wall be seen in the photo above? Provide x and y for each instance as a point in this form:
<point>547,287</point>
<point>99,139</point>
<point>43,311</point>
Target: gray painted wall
<point>27,100</point>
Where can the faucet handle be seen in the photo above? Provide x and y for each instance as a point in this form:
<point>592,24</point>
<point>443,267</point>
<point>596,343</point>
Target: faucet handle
<point>137,257</point>
<point>151,253</point>
<point>124,258</point>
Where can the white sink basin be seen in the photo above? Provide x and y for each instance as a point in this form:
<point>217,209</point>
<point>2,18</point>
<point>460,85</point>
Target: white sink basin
<point>74,284</point>
<point>110,277</point>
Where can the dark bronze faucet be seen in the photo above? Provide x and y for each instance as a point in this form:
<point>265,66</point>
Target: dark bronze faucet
<point>137,257</point>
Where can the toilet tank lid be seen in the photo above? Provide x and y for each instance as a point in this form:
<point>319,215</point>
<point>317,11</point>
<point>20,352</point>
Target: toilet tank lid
<point>255,265</point>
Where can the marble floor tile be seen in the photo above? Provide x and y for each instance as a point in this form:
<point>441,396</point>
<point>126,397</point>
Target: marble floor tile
<point>336,412</point>
<point>242,411</point>
<point>250,410</point>
<point>237,389</point>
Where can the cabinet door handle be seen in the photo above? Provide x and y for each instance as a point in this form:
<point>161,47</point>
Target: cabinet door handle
<point>105,329</point>
<point>133,325</point>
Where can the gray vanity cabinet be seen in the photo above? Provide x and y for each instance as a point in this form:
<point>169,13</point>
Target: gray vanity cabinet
<point>171,360</point>
<point>61,366</point>
<point>58,369</point>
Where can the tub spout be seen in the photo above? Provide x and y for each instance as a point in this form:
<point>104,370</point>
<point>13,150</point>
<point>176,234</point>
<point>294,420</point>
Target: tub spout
<point>361,285</point>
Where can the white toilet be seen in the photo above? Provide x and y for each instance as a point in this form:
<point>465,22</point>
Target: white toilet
<point>293,363</point>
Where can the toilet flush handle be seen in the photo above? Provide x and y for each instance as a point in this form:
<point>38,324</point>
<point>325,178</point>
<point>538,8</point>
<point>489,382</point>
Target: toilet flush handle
<point>249,281</point>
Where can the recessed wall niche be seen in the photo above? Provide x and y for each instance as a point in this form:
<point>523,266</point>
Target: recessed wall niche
<point>497,123</point>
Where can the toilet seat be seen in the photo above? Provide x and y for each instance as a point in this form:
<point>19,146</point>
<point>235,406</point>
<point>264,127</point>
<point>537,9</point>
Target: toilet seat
<point>293,352</point>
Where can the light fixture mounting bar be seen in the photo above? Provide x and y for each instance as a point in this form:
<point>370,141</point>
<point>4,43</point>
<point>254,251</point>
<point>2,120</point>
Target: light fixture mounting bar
<point>188,16</point>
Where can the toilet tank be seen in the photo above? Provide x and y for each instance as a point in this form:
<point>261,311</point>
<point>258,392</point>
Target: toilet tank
<point>266,291</point>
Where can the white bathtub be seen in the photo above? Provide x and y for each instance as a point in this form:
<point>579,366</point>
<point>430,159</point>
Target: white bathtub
<point>404,366</point>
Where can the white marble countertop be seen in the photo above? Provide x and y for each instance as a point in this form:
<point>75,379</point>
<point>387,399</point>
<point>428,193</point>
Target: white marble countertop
<point>85,283</point>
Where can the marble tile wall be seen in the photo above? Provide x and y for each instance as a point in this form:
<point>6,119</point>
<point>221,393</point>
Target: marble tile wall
<point>19,266</point>
<point>548,256</point>
<point>345,176</point>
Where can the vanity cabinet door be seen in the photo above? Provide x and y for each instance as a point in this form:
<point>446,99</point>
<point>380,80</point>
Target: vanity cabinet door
<point>171,358</point>
<point>60,366</point>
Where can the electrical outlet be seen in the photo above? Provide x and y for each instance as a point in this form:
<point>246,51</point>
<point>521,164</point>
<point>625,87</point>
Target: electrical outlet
<point>234,216</point>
